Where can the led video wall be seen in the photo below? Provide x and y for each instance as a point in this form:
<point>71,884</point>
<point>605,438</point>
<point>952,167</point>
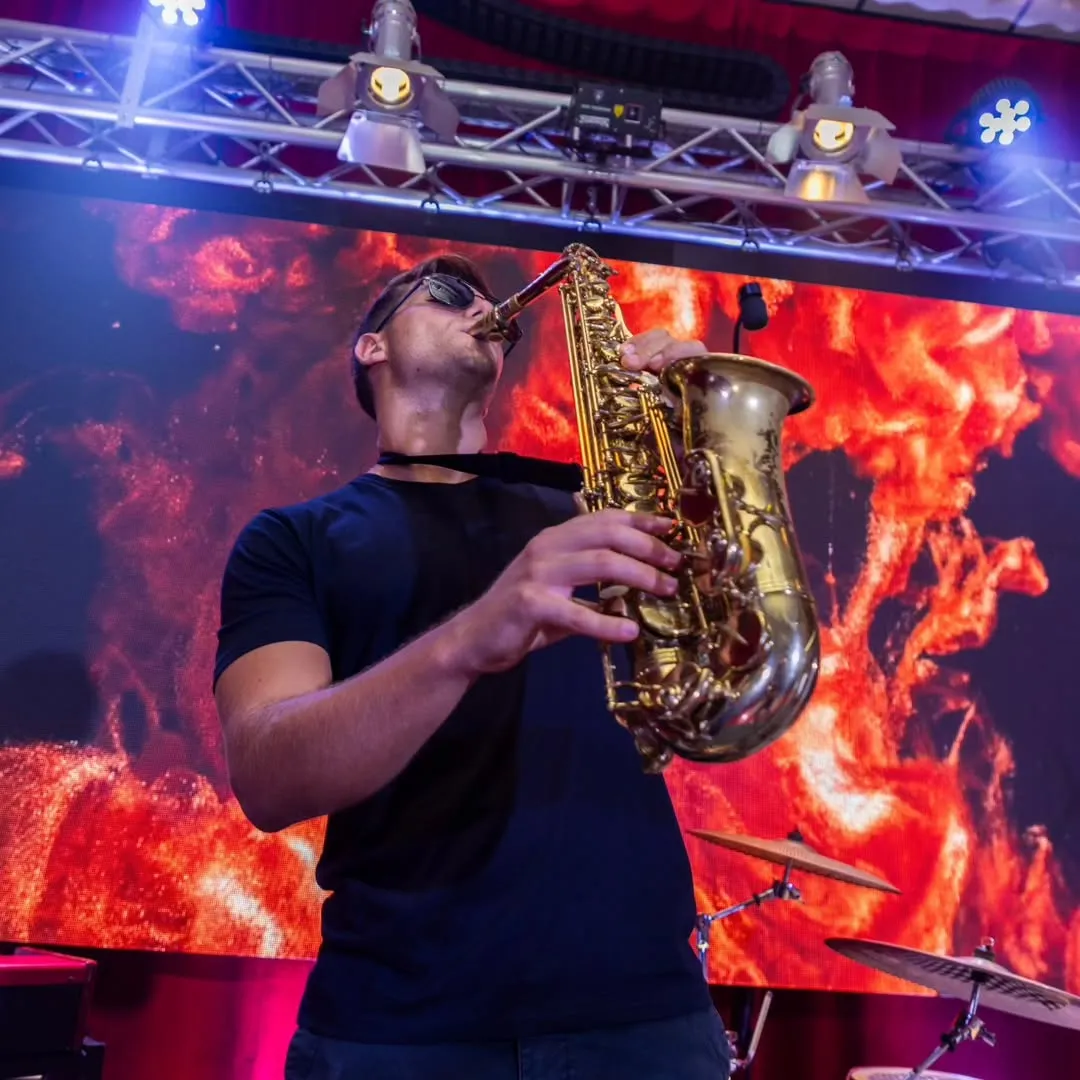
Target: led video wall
<point>167,373</point>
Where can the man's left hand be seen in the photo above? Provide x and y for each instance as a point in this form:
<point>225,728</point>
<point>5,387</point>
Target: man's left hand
<point>653,350</point>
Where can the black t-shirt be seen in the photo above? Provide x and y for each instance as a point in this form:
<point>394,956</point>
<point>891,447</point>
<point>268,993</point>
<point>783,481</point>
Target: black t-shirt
<point>522,875</point>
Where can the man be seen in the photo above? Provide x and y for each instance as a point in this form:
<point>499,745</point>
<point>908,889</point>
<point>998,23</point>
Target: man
<point>509,891</point>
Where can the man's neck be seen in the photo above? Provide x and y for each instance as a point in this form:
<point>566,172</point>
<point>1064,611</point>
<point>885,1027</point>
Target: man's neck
<point>426,433</point>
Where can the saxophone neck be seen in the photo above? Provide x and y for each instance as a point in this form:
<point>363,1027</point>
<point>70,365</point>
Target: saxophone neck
<point>496,323</point>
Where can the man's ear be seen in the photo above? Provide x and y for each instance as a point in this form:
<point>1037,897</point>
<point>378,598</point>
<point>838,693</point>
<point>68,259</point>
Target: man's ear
<point>370,350</point>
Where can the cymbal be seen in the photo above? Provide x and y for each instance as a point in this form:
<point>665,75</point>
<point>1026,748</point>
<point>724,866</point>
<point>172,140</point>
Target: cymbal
<point>800,855</point>
<point>955,977</point>
<point>901,1074</point>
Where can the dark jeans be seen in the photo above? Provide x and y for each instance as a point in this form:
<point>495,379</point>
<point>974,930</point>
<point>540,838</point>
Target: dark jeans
<point>690,1048</point>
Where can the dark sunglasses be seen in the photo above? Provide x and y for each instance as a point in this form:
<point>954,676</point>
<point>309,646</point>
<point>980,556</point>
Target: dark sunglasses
<point>451,292</point>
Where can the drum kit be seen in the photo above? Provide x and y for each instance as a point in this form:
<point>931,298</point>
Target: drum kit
<point>977,980</point>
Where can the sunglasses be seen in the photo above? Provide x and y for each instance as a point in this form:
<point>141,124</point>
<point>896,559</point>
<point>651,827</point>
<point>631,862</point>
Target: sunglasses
<point>451,292</point>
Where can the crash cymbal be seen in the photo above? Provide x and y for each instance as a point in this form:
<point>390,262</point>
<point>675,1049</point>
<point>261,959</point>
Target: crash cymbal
<point>956,976</point>
<point>794,851</point>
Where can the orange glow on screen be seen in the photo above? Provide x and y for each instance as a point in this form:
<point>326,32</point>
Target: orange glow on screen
<point>116,847</point>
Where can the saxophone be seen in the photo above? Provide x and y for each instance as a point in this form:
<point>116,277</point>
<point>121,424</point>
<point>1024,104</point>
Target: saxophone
<point>726,666</point>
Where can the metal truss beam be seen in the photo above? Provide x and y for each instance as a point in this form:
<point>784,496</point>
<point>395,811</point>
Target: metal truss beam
<point>152,106</point>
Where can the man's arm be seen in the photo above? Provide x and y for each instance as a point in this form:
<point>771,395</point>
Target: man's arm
<point>300,748</point>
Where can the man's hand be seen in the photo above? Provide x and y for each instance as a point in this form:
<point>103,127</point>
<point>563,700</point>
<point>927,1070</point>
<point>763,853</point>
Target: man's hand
<point>532,605</point>
<point>653,350</point>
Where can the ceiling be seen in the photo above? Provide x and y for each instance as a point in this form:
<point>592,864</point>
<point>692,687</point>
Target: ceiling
<point>1044,18</point>
<point>1039,18</point>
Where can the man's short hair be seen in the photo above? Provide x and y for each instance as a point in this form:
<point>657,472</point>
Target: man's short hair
<point>391,294</point>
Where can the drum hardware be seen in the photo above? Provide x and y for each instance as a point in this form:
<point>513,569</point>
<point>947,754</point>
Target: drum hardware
<point>967,1027</point>
<point>901,1074</point>
<point>978,978</point>
<point>792,853</point>
<point>741,1062</point>
<point>779,890</point>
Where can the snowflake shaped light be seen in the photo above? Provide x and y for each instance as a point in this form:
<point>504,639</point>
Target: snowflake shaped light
<point>172,11</point>
<point>1004,125</point>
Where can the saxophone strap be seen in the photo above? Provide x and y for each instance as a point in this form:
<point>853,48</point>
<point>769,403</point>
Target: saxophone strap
<point>510,468</point>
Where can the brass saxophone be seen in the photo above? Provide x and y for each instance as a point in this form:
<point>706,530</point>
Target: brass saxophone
<point>727,665</point>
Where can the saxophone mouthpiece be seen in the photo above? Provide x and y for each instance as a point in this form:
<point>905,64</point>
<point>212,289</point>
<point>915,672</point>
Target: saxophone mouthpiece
<point>493,326</point>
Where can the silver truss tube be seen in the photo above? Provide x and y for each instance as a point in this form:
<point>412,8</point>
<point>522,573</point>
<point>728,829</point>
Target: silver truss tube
<point>405,199</point>
<point>551,165</point>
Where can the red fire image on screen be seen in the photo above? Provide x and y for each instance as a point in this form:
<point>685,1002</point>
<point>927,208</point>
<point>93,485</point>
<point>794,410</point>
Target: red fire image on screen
<point>109,847</point>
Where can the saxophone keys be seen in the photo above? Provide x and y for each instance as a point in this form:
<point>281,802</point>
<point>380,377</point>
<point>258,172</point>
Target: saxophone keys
<point>736,555</point>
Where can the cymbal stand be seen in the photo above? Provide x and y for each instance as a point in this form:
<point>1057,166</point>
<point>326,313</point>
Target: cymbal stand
<point>779,890</point>
<point>743,1063</point>
<point>966,1028</point>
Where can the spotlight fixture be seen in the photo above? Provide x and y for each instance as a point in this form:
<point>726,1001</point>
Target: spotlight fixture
<point>177,12</point>
<point>1003,113</point>
<point>390,94</point>
<point>830,142</point>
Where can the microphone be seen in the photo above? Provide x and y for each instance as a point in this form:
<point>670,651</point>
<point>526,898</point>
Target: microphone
<point>753,314</point>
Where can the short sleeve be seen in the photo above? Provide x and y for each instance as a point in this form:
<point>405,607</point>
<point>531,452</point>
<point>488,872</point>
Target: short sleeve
<point>267,593</point>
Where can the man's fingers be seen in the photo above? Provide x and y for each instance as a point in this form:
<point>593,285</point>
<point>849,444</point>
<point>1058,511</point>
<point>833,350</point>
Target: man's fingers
<point>617,540</point>
<point>562,617</point>
<point>657,524</point>
<point>654,350</point>
<point>647,342</point>
<point>577,568</point>
<point>639,545</point>
<point>634,534</point>
<point>592,605</point>
<point>677,350</point>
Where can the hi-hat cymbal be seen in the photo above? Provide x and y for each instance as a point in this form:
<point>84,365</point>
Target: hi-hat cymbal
<point>956,976</point>
<point>794,851</point>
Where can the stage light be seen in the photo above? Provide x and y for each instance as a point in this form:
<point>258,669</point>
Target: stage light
<point>833,135</point>
<point>1006,121</point>
<point>830,142</point>
<point>391,86</point>
<point>173,12</point>
<point>1005,113</point>
<point>390,95</point>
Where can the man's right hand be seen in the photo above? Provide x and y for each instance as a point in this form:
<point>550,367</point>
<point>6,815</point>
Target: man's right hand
<point>531,605</point>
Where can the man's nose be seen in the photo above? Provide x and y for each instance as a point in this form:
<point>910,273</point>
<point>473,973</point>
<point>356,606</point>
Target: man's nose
<point>480,306</point>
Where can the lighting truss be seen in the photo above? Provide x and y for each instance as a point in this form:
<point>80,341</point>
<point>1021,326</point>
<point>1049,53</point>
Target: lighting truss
<point>150,106</point>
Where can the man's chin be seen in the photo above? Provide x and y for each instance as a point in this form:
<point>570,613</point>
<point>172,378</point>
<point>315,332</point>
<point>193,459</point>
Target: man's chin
<point>481,362</point>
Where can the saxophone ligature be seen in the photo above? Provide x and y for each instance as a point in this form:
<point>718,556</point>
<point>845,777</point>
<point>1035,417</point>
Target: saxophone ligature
<point>727,665</point>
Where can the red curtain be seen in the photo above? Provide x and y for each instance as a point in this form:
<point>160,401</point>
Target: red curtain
<point>216,1018</point>
<point>918,76</point>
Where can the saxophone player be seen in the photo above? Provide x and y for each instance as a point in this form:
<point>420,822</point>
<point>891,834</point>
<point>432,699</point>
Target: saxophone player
<point>509,894</point>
